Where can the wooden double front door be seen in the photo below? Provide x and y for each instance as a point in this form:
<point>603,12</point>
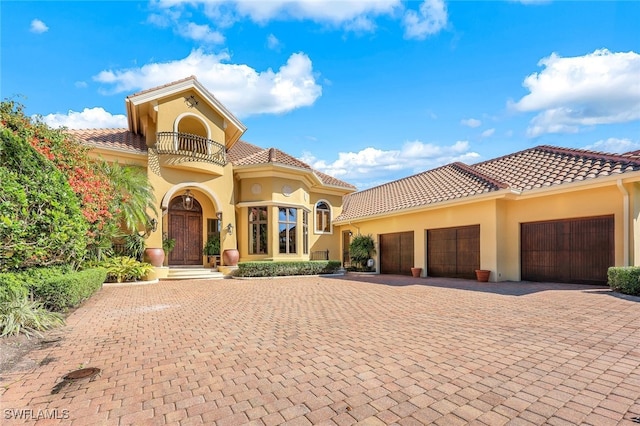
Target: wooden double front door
<point>185,226</point>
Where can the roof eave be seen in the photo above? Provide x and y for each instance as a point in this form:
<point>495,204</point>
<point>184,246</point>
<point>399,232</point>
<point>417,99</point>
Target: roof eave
<point>491,195</point>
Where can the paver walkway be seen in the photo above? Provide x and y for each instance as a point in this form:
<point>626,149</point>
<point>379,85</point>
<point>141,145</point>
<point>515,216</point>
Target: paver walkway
<point>370,349</point>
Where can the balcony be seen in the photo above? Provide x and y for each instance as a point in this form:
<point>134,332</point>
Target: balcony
<point>188,152</point>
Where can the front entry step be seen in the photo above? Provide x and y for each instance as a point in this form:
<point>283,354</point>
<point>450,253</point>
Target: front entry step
<point>193,274</point>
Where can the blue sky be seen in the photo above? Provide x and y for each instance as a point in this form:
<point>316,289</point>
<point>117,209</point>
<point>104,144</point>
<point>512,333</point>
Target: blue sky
<point>367,91</point>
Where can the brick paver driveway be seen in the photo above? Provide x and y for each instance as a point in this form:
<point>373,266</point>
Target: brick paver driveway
<point>375,350</point>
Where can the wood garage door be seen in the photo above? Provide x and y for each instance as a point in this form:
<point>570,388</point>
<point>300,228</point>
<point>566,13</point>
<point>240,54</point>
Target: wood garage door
<point>396,253</point>
<point>453,252</point>
<point>568,251</point>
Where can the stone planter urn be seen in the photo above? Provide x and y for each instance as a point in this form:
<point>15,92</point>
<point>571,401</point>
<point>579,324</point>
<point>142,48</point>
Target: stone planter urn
<point>415,272</point>
<point>230,257</point>
<point>154,256</point>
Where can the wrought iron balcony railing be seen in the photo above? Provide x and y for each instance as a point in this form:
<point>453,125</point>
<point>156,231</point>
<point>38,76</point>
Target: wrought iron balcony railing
<point>191,147</point>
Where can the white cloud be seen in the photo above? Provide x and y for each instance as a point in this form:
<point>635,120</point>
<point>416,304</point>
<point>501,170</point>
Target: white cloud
<point>273,43</point>
<point>89,118</point>
<point>615,145</point>
<point>201,33</point>
<point>352,15</point>
<point>372,164</point>
<point>471,122</point>
<point>487,133</point>
<point>242,89</point>
<point>598,88</point>
<point>38,27</point>
<point>431,18</point>
<point>81,84</point>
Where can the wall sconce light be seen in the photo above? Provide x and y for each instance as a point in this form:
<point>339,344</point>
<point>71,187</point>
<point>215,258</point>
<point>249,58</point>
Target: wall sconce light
<point>187,200</point>
<point>230,229</point>
<point>350,234</point>
<point>154,224</point>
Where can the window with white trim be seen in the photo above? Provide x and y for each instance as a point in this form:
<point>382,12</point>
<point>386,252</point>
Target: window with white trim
<point>287,219</point>
<point>323,217</point>
<point>258,230</point>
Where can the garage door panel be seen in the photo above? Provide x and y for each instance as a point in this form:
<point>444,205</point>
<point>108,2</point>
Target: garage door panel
<point>570,250</point>
<point>453,252</point>
<point>396,253</point>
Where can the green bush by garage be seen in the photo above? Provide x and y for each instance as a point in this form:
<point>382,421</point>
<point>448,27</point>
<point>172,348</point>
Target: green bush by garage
<point>624,279</point>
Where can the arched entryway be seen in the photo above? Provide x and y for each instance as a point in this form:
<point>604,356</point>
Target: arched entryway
<point>185,226</point>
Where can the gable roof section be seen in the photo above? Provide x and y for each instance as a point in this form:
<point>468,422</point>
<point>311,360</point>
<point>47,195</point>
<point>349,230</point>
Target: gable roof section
<point>114,139</point>
<point>150,95</point>
<point>538,167</point>
<point>245,154</point>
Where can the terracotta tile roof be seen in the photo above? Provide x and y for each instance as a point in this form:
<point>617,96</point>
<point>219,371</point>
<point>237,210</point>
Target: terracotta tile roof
<point>330,180</point>
<point>632,154</point>
<point>538,167</point>
<point>545,166</point>
<point>246,154</point>
<point>433,186</point>
<point>240,150</point>
<point>121,139</point>
<point>271,155</point>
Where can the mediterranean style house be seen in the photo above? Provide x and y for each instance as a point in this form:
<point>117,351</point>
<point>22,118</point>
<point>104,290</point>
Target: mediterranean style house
<point>542,214</point>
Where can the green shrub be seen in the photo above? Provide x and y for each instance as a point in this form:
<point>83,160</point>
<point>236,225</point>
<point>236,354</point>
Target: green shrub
<point>12,286</point>
<point>69,290</point>
<point>124,269</point>
<point>285,268</point>
<point>21,315</point>
<point>624,279</point>
<point>361,249</point>
<point>40,218</point>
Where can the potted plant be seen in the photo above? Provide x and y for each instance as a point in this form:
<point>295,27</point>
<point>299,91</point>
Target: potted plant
<point>361,249</point>
<point>168,244</point>
<point>212,249</point>
<point>415,272</point>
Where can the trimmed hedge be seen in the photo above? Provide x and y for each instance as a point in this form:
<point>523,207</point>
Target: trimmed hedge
<point>12,286</point>
<point>69,290</point>
<point>286,268</point>
<point>624,279</point>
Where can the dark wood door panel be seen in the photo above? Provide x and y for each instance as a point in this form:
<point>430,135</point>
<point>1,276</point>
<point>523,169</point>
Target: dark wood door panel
<point>186,228</point>
<point>396,253</point>
<point>569,250</point>
<point>453,252</point>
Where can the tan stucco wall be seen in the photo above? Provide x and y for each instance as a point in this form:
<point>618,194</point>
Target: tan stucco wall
<point>214,193</point>
<point>268,191</point>
<point>170,109</point>
<point>482,213</point>
<point>500,220</point>
<point>576,204</point>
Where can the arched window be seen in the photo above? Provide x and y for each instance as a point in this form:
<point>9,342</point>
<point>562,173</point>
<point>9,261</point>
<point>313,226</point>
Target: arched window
<point>323,217</point>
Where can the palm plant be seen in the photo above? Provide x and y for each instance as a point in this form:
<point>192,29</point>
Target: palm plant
<point>134,195</point>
